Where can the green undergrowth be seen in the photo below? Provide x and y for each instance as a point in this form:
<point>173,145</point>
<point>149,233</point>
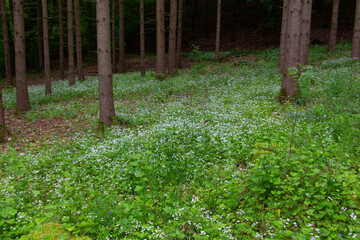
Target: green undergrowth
<point>206,154</point>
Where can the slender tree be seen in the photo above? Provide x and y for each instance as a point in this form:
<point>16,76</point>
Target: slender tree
<point>3,131</point>
<point>172,36</point>
<point>218,26</point>
<point>4,22</point>
<point>22,96</point>
<point>113,23</point>
<point>106,98</point>
<point>79,57</point>
<point>179,36</point>
<point>289,85</point>
<point>40,33</point>
<point>46,48</point>
<point>160,37</point>
<point>305,31</point>
<point>70,43</point>
<point>334,25</point>
<point>282,55</point>
<point>121,37</point>
<point>89,28</point>
<point>142,38</point>
<point>356,34</point>
<point>61,40</point>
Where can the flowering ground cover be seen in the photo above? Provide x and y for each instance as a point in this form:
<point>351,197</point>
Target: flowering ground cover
<point>206,154</point>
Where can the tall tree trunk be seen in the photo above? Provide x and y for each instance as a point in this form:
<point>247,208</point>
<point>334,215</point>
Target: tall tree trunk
<point>106,97</point>
<point>305,31</point>
<point>142,38</point>
<point>46,48</point>
<point>22,96</point>
<point>70,43</point>
<point>207,18</point>
<point>218,26</point>
<point>334,25</point>
<point>160,37</point>
<point>284,23</point>
<point>289,86</point>
<point>79,57</point>
<point>40,34</point>
<point>113,23</point>
<point>89,27</point>
<point>4,22</point>
<point>356,34</point>
<point>61,29</point>
<point>121,37</point>
<point>179,36</point>
<point>172,37</point>
<point>3,131</point>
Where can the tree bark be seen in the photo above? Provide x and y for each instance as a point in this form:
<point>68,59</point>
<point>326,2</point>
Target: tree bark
<point>289,86</point>
<point>160,37</point>
<point>70,43</point>
<point>89,28</point>
<point>305,32</point>
<point>218,26</point>
<point>179,36</point>
<point>172,37</point>
<point>22,96</point>
<point>282,55</point>
<point>121,37</point>
<point>40,33</point>
<point>356,34</point>
<point>79,57</point>
<point>334,25</point>
<point>61,29</point>
<point>4,22</point>
<point>142,38</point>
<point>46,48</point>
<point>113,23</point>
<point>106,98</point>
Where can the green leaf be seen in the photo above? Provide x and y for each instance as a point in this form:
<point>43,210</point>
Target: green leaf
<point>139,174</point>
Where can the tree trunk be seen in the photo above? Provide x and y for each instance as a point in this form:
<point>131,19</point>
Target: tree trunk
<point>46,48</point>
<point>142,38</point>
<point>4,22</point>
<point>79,57</point>
<point>106,97</point>
<point>172,36</point>
<point>70,43</point>
<point>3,131</point>
<point>207,18</point>
<point>179,36</point>
<point>40,34</point>
<point>22,96</point>
<point>89,27</point>
<point>61,29</point>
<point>218,26</point>
<point>356,34</point>
<point>160,37</point>
<point>334,25</point>
<point>305,31</point>
<point>289,86</point>
<point>282,55</point>
<point>113,23</point>
<point>121,37</point>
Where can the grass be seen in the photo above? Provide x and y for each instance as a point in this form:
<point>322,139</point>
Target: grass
<point>206,154</point>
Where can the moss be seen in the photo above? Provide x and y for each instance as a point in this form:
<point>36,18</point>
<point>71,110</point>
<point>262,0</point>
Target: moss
<point>283,97</point>
<point>53,231</point>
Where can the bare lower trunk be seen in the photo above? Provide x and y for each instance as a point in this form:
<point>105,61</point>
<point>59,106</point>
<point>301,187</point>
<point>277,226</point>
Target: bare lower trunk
<point>218,26</point>
<point>61,29</point>
<point>22,96</point>
<point>40,33</point>
<point>121,37</point>
<point>334,25</point>
<point>46,48</point>
<point>106,98</point>
<point>113,23</point>
<point>160,37</point>
<point>356,34</point>
<point>4,22</point>
<point>172,36</point>
<point>179,36</point>
<point>305,31</point>
<point>282,55</point>
<point>289,86</point>
<point>142,38</point>
<point>79,57</point>
<point>70,43</point>
<point>89,28</point>
<point>2,120</point>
